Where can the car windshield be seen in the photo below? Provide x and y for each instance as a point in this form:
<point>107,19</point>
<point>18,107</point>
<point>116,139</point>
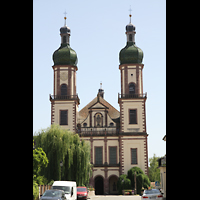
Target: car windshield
<point>52,193</point>
<point>66,189</point>
<point>81,189</point>
<point>151,191</point>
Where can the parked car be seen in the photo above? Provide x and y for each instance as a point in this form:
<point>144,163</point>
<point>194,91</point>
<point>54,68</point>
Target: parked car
<point>82,193</point>
<point>69,187</point>
<point>152,194</point>
<point>53,194</point>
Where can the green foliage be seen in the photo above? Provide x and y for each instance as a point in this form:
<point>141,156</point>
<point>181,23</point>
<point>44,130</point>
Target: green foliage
<point>146,182</point>
<point>35,190</point>
<point>154,172</point>
<point>39,160</point>
<point>142,180</point>
<point>51,182</point>
<point>123,183</point>
<point>59,144</point>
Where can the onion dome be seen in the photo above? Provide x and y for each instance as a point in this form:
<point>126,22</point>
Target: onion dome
<point>65,55</point>
<point>130,53</point>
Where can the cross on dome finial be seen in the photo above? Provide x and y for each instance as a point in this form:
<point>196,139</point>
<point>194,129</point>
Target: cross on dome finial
<point>65,18</point>
<point>130,13</point>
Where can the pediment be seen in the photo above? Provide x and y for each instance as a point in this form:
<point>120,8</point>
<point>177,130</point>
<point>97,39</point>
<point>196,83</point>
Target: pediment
<point>98,105</point>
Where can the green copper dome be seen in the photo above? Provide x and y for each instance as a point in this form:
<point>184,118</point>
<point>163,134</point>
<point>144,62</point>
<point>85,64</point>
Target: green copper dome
<point>65,55</point>
<point>130,54</point>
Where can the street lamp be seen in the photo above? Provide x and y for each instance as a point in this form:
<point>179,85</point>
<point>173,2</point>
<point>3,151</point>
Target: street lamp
<point>61,164</point>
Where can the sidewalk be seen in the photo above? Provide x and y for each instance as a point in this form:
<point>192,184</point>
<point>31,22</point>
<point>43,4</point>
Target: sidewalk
<point>114,197</point>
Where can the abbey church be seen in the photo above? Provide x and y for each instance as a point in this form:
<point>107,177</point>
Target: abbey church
<point>118,139</point>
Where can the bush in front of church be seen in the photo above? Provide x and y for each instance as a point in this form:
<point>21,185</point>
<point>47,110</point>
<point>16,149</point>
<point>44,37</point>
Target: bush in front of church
<point>123,183</point>
<point>142,180</point>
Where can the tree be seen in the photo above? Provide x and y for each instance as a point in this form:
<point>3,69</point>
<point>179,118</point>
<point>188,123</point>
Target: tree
<point>142,179</point>
<point>154,171</point>
<point>123,183</point>
<point>39,160</point>
<point>62,145</point>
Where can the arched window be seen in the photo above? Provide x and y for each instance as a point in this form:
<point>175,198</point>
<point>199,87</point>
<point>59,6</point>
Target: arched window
<point>63,89</point>
<point>131,88</point>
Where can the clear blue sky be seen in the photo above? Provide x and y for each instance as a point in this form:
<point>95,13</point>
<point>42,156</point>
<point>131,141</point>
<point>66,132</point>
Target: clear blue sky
<point>97,36</point>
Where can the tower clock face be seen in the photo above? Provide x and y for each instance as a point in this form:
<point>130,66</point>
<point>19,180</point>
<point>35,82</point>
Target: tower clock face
<point>63,76</point>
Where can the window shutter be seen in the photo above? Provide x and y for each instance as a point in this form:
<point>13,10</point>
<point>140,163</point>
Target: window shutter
<point>132,117</point>
<point>113,155</point>
<point>133,156</point>
<point>98,155</point>
<point>63,117</point>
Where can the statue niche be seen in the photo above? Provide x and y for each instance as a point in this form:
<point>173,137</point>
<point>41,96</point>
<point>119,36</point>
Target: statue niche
<point>98,120</point>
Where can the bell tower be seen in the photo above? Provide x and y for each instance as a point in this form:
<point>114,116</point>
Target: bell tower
<point>65,100</point>
<point>132,100</point>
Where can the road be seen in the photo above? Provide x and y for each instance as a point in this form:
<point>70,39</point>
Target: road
<point>115,197</point>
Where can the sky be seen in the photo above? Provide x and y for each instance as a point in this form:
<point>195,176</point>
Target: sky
<point>97,36</point>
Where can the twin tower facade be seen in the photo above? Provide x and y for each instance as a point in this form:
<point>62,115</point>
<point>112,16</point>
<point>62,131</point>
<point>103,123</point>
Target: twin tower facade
<point>118,140</point>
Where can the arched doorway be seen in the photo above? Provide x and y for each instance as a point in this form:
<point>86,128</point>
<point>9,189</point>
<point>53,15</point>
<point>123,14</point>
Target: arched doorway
<point>99,185</point>
<point>113,184</point>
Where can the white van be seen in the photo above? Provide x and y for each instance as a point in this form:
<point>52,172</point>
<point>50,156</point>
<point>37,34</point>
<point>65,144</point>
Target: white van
<point>69,188</point>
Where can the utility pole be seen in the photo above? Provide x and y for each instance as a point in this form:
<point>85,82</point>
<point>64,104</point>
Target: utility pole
<point>135,191</point>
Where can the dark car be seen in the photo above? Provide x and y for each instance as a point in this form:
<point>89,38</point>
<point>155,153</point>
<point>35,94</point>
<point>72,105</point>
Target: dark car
<point>53,194</point>
<point>82,193</point>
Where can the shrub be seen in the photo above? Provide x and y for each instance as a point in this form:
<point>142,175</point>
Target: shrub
<point>35,190</point>
<point>142,180</point>
<point>123,183</point>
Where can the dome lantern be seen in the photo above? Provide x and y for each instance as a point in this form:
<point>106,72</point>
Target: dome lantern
<point>65,55</point>
<point>130,53</point>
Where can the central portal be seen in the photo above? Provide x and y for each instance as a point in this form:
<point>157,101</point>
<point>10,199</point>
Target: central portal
<point>99,185</point>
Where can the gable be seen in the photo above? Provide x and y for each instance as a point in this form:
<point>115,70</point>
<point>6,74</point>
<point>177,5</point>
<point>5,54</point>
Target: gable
<point>101,104</point>
<point>98,105</point>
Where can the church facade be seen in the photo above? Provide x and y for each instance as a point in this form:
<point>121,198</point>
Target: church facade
<point>118,139</point>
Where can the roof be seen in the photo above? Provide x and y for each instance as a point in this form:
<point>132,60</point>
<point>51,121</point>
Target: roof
<point>164,138</point>
<point>99,103</point>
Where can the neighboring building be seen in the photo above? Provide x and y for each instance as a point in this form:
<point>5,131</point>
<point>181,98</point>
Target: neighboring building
<point>118,139</point>
<point>162,167</point>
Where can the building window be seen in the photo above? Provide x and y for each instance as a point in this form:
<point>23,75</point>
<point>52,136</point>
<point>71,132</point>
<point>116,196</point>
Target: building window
<point>85,125</point>
<point>63,117</point>
<point>64,39</point>
<point>130,38</point>
<point>131,88</point>
<point>133,156</point>
<point>133,116</point>
<point>63,89</point>
<point>98,155</point>
<point>111,124</point>
<point>113,155</point>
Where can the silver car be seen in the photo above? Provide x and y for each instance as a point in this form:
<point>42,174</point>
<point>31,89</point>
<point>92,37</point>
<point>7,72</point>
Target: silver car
<point>53,194</point>
<point>152,194</point>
